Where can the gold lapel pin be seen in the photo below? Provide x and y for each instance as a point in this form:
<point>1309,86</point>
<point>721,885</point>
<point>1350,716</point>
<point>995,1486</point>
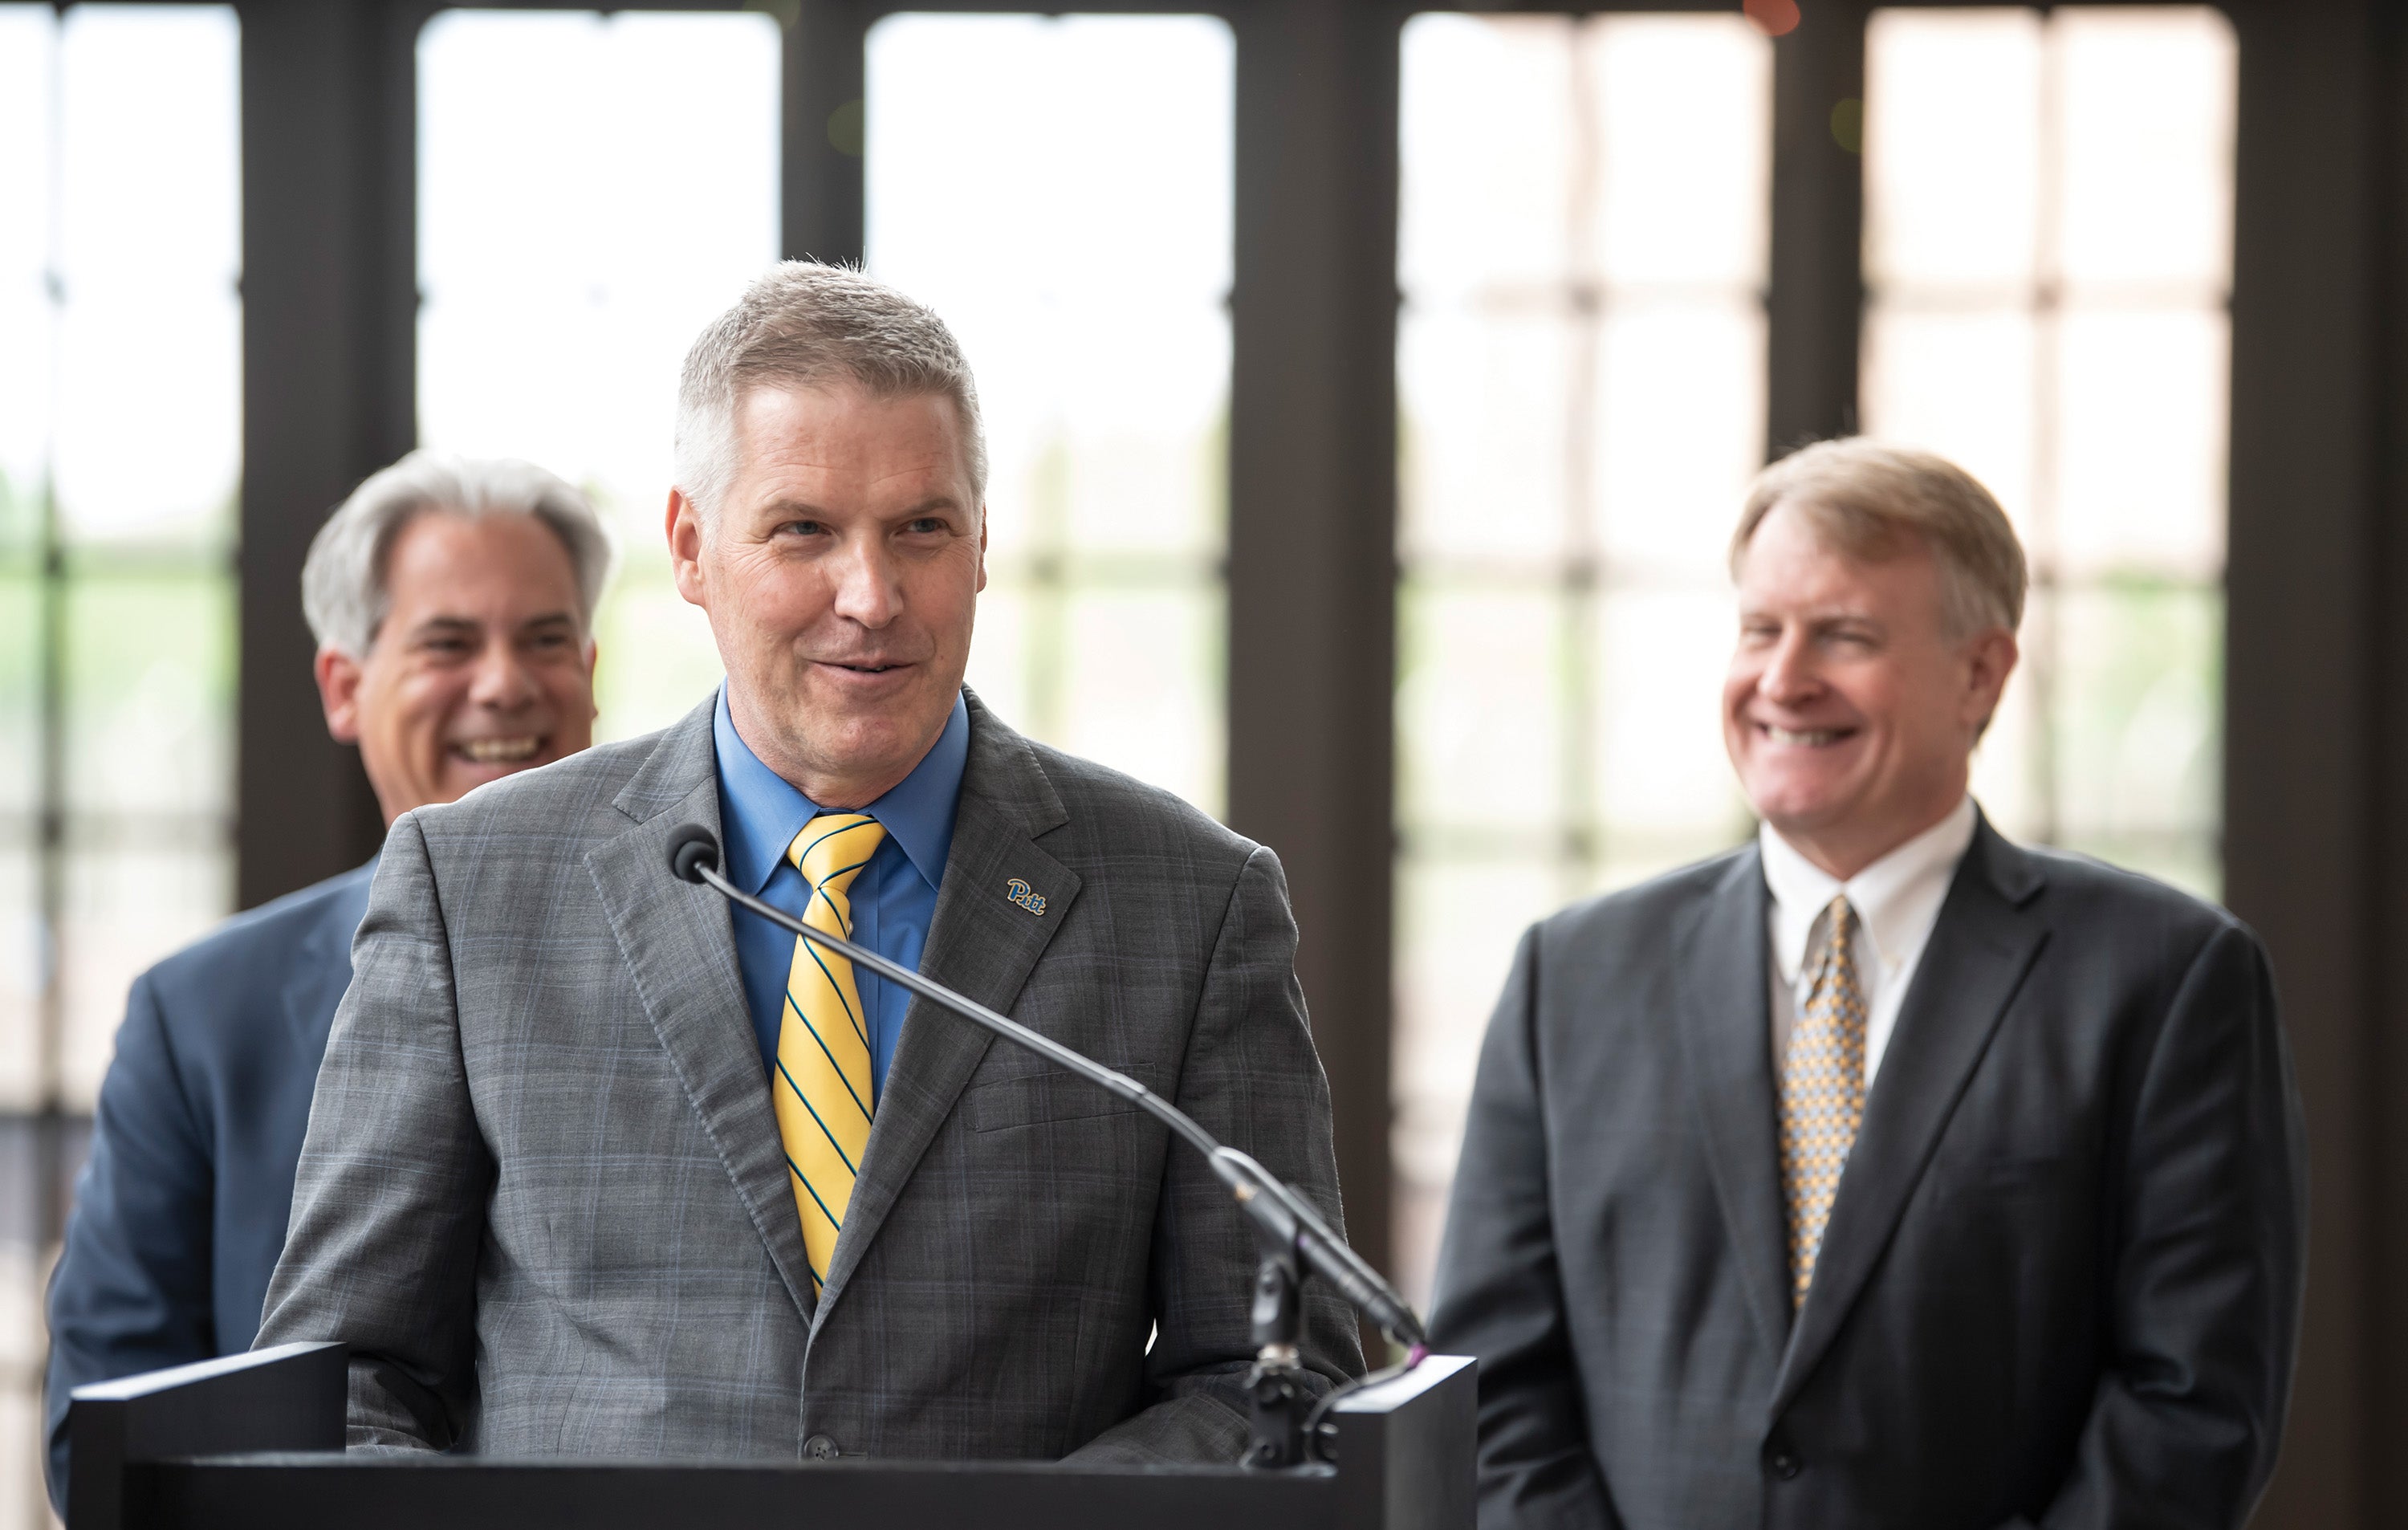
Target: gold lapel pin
<point>1018,891</point>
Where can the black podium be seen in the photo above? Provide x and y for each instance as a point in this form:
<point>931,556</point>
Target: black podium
<point>255,1441</point>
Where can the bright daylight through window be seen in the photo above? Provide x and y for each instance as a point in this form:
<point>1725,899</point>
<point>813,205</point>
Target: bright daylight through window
<point>2048,242</point>
<point>1580,366</point>
<point>1060,190</point>
<point>1584,249</point>
<point>592,192</point>
<point>119,235</point>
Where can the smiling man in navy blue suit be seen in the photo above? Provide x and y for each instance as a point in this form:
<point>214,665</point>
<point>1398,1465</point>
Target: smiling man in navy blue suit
<point>453,604</point>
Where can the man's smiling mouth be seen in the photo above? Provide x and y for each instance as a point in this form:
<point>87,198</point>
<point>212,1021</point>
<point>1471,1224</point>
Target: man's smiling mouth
<point>499,751</point>
<point>1805,738</point>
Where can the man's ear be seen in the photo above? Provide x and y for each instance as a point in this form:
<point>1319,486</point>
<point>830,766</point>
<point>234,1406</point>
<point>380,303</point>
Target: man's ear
<point>1993,656</point>
<point>981,583</point>
<point>683,525</point>
<point>338,691</point>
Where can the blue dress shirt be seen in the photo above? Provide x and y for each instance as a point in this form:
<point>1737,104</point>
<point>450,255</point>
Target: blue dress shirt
<point>893,899</point>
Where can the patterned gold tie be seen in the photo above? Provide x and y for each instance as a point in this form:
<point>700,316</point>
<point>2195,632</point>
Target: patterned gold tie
<point>822,1089</point>
<point>1822,1096</point>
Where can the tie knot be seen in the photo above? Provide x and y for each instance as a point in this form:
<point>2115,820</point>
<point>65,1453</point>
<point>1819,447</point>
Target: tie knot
<point>1838,921</point>
<point>833,847</point>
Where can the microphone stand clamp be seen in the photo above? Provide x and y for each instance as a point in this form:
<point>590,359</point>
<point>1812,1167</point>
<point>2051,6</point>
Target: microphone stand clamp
<point>1278,1403</point>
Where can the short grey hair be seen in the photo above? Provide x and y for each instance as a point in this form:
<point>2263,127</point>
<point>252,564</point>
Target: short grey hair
<point>343,583</point>
<point>1871,500</point>
<point>803,324</point>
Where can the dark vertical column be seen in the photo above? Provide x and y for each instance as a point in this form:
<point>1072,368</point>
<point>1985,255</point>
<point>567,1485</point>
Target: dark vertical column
<point>2309,843</point>
<point>1312,489</point>
<point>329,386</point>
<point>2386,1202</point>
<point>820,125</point>
<point>1816,299</point>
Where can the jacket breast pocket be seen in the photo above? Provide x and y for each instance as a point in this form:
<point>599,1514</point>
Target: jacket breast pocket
<point>1035,1099</point>
<point>2008,1176</point>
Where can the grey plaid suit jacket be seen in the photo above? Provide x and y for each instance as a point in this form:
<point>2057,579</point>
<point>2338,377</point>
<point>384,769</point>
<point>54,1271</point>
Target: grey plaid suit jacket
<point>543,1198</point>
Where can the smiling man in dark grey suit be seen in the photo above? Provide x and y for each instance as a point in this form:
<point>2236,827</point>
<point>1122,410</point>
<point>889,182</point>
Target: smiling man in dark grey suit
<point>594,1169</point>
<point>1885,1173</point>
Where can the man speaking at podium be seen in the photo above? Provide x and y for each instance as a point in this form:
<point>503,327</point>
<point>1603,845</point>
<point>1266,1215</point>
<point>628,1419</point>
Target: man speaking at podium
<point>597,1167</point>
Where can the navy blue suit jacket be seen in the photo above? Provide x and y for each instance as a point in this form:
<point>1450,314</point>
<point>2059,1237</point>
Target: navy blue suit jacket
<point>180,1212</point>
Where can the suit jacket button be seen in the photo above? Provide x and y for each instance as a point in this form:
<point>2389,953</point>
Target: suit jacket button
<point>1784,1465</point>
<point>821,1448</point>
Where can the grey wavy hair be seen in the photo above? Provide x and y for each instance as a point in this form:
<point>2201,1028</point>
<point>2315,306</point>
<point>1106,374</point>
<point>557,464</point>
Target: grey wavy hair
<point>343,583</point>
<point>803,324</point>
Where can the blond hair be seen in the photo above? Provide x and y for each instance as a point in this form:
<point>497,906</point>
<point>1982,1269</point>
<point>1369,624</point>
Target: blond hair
<point>1873,501</point>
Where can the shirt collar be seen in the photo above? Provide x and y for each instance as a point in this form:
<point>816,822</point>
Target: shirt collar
<point>762,811</point>
<point>1896,898</point>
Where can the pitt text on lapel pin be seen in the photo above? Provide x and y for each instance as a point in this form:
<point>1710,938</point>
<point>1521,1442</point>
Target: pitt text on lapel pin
<point>1018,891</point>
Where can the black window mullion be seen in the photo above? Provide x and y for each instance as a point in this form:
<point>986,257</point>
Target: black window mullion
<point>819,113</point>
<point>329,389</point>
<point>1313,516</point>
<point>1816,302</point>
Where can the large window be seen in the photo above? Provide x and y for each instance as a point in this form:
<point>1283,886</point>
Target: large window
<point>1060,190</point>
<point>120,435</point>
<point>592,191</point>
<point>1583,243</point>
<point>1580,366</point>
<point>1583,256</point>
<point>2048,237</point>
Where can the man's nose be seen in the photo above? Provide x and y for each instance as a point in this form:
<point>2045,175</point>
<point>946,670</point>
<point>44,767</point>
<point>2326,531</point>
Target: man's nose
<point>503,680</point>
<point>867,590</point>
<point>1789,672</point>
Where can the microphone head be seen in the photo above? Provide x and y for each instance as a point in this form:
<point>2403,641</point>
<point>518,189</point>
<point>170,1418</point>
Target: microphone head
<point>692,849</point>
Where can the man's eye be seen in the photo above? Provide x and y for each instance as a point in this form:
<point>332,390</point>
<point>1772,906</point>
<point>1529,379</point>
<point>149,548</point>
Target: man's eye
<point>927,525</point>
<point>803,528</point>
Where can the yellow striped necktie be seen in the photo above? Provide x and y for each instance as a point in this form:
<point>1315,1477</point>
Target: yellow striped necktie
<point>822,1087</point>
<point>1822,1096</point>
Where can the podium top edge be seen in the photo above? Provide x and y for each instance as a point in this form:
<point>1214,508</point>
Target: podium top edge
<point>129,1388</point>
<point>1385,1397</point>
<point>718,1465</point>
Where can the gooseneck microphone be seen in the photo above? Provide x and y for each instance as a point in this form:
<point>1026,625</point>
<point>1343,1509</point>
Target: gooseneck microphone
<point>1288,1224</point>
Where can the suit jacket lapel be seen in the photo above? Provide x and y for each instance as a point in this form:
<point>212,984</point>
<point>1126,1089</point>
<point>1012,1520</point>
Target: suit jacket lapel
<point>981,944</point>
<point>1726,1044</point>
<point>1980,950</point>
<point>681,949</point>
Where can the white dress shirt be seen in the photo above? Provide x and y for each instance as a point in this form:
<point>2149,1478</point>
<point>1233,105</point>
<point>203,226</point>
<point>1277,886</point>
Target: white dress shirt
<point>1896,900</point>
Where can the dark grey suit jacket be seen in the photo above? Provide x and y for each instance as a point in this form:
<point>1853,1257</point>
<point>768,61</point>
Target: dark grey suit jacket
<point>2061,1279</point>
<point>544,1200</point>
